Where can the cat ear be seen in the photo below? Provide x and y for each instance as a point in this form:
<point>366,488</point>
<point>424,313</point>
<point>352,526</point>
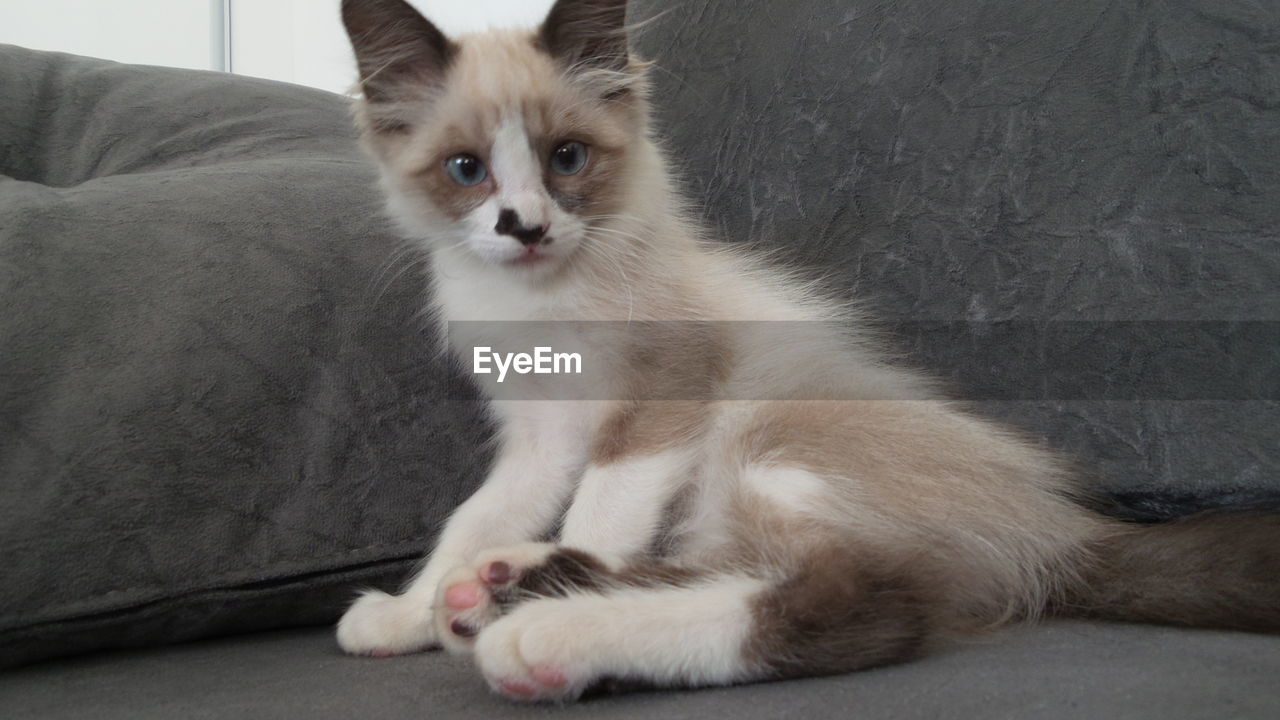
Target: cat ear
<point>397,50</point>
<point>587,34</point>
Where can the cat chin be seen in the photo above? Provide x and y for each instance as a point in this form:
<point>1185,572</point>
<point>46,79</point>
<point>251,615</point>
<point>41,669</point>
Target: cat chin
<point>530,262</point>
<point>543,258</point>
<point>532,267</point>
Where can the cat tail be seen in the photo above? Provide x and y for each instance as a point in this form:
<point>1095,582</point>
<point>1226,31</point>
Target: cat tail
<point>1217,569</point>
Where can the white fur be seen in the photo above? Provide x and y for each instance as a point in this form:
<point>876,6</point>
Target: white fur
<point>382,624</point>
<point>667,636</point>
<point>618,507</point>
<point>794,489</point>
<point>519,174</point>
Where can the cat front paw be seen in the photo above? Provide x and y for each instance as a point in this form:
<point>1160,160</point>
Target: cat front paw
<point>382,625</point>
<point>473,596</point>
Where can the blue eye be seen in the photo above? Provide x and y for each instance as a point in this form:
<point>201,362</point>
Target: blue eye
<point>569,158</point>
<point>466,170</point>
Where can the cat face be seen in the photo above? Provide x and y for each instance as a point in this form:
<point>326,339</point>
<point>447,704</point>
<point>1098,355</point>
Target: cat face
<point>509,147</point>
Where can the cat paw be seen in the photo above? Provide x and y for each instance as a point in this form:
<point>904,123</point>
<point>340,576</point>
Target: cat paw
<point>382,625</point>
<point>532,655</point>
<point>473,596</point>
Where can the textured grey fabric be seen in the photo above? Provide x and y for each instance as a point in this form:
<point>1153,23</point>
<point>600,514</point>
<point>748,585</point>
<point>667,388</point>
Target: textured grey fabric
<point>1061,164</point>
<point>1063,671</point>
<point>219,409</point>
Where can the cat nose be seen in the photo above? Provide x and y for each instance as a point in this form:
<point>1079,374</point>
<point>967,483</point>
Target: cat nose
<point>509,224</point>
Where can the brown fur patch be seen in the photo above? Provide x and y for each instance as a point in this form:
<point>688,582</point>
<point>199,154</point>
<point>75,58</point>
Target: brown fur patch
<point>675,370</point>
<point>568,570</point>
<point>590,32</point>
<point>836,612</point>
<point>638,428</point>
<point>650,574</point>
<point>564,571</point>
<point>397,50</point>
<point>1214,570</point>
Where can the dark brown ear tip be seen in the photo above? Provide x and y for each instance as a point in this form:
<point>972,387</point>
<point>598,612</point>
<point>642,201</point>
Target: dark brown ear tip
<point>587,33</point>
<point>396,47</point>
<point>359,16</point>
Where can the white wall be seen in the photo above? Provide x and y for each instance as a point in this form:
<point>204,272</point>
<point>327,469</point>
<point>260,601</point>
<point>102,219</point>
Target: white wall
<point>456,16</point>
<point>302,41</point>
<point>154,32</point>
<point>298,41</point>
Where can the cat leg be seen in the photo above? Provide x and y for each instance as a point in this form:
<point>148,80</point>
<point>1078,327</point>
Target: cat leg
<point>828,612</point>
<point>669,635</point>
<point>473,597</point>
<point>618,508</point>
<point>521,498</point>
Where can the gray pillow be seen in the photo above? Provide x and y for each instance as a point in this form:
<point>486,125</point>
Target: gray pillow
<point>219,407</point>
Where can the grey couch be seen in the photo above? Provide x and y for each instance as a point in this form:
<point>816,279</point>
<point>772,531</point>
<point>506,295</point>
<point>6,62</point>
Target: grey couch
<point>221,412</point>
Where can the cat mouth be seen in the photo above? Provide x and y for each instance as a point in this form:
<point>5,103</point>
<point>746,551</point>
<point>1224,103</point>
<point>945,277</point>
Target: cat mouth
<point>530,257</point>
<point>536,254</point>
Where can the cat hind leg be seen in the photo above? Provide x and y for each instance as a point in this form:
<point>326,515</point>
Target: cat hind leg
<point>829,612</point>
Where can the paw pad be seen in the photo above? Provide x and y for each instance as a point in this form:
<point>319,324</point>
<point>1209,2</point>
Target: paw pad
<point>496,573</point>
<point>463,595</point>
<point>473,597</point>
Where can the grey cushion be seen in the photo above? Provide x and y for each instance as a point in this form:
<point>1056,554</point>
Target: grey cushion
<point>219,410</point>
<point>1063,671</point>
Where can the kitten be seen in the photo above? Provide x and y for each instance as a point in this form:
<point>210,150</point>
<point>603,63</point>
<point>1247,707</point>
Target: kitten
<point>844,518</point>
